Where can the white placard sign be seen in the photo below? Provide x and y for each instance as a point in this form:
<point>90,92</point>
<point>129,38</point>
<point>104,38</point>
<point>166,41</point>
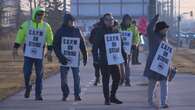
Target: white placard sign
<point>70,49</point>
<point>162,59</point>
<point>35,42</point>
<point>127,41</point>
<point>113,49</point>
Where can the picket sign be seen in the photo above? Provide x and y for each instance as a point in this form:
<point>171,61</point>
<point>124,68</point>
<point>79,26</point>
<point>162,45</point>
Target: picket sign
<point>70,49</point>
<point>35,42</point>
<point>113,48</point>
<point>162,59</point>
<point>127,41</point>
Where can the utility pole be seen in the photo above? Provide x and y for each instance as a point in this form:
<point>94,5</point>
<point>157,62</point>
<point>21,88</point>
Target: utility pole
<point>67,6</point>
<point>172,10</point>
<point>152,9</point>
<point>30,1</point>
<point>171,15</point>
<point>179,20</point>
<point>18,13</point>
<point>1,11</point>
<point>35,3</point>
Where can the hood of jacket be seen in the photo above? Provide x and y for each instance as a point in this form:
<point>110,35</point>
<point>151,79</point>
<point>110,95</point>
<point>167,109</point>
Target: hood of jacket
<point>35,11</point>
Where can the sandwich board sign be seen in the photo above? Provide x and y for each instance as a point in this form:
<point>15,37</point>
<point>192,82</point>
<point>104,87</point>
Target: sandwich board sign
<point>70,49</point>
<point>162,59</point>
<point>113,48</point>
<point>127,41</point>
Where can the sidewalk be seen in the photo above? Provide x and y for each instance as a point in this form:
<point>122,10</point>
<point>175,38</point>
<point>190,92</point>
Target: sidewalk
<point>181,94</point>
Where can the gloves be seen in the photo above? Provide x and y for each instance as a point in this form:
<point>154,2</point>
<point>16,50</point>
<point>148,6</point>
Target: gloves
<point>84,61</point>
<point>156,17</point>
<point>15,53</point>
<point>63,60</point>
<point>49,56</point>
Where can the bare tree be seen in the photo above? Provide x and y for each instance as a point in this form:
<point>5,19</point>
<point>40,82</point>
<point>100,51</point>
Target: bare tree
<point>30,1</point>
<point>1,11</point>
<point>55,13</point>
<point>18,13</point>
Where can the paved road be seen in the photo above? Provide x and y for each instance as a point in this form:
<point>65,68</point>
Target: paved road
<point>181,94</point>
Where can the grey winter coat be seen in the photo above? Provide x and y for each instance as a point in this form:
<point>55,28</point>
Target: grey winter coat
<point>154,38</point>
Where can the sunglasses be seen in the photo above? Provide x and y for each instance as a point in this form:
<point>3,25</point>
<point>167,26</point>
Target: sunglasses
<point>40,14</point>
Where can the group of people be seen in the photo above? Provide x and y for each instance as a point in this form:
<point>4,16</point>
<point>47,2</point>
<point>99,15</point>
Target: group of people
<point>68,42</point>
<point>127,24</point>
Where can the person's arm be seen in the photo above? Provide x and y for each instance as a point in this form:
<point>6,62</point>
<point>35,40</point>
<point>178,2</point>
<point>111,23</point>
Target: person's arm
<point>92,36</point>
<point>21,35</point>
<point>96,46</point>
<point>49,38</point>
<point>20,38</point>
<point>150,28</point>
<point>49,42</point>
<point>124,54</point>
<point>136,37</point>
<point>57,48</point>
<point>83,47</point>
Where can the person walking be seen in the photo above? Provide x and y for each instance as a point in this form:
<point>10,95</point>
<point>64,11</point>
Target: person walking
<point>100,56</point>
<point>34,34</point>
<point>155,37</point>
<point>136,44</point>
<point>92,40</point>
<point>126,25</point>
<point>68,42</point>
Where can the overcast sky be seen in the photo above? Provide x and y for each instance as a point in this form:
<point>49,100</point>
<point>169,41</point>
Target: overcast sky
<point>187,6</point>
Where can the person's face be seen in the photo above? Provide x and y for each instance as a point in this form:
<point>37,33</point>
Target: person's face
<point>70,23</point>
<point>39,16</point>
<point>164,31</point>
<point>127,22</point>
<point>109,21</point>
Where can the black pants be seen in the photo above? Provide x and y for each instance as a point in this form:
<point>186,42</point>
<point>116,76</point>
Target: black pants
<point>135,54</point>
<point>107,71</point>
<point>97,71</point>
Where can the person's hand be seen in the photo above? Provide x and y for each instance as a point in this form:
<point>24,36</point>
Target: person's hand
<point>63,60</point>
<point>84,62</point>
<point>156,17</point>
<point>95,62</point>
<point>49,56</point>
<point>129,58</point>
<point>15,53</point>
<point>125,60</point>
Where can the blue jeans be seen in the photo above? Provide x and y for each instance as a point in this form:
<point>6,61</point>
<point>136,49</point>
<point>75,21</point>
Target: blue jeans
<point>64,80</point>
<point>163,91</point>
<point>127,70</point>
<point>27,69</point>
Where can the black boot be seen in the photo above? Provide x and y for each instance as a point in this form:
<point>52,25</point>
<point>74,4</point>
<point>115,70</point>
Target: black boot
<point>39,98</point>
<point>107,102</point>
<point>127,83</point>
<point>115,100</point>
<point>77,98</point>
<point>97,81</point>
<point>27,92</point>
<point>64,98</point>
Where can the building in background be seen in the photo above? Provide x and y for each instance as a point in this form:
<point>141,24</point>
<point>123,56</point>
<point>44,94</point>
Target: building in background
<point>88,11</point>
<point>9,11</point>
